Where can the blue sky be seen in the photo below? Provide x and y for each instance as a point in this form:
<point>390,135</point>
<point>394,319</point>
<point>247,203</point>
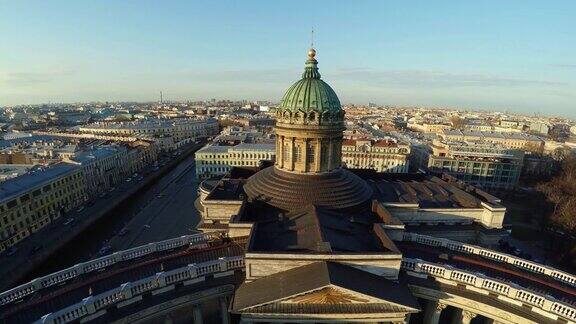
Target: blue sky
<point>501,55</point>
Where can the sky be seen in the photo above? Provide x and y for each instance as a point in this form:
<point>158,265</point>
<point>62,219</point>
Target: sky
<point>514,55</point>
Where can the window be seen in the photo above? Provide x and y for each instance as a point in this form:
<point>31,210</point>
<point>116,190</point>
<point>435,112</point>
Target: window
<point>310,152</point>
<point>298,153</point>
<point>324,154</point>
<point>286,153</point>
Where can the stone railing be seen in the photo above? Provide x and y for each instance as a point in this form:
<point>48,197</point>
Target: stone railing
<point>531,266</point>
<point>553,307</point>
<point>129,292</point>
<point>55,278</point>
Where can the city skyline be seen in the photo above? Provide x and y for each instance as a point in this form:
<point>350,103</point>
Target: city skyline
<point>301,209</point>
<point>488,56</point>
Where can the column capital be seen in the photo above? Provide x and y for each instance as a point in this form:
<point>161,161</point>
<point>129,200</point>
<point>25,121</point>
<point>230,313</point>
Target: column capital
<point>440,306</point>
<point>468,315</point>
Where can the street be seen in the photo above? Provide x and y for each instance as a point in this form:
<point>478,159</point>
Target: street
<point>167,211</point>
<point>162,210</point>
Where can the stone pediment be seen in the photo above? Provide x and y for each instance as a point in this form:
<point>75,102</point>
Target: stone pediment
<point>323,288</point>
<point>329,299</point>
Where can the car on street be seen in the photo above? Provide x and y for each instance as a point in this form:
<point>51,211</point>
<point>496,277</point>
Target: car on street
<point>11,251</point>
<point>35,249</point>
<point>123,232</point>
<point>105,250</point>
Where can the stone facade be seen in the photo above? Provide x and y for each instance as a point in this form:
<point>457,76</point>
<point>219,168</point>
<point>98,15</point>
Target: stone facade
<point>380,155</point>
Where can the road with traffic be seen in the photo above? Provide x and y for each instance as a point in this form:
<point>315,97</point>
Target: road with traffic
<point>167,212</point>
<point>161,210</point>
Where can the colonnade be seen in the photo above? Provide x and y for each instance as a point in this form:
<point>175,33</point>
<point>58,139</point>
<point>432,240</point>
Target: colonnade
<point>198,315</point>
<point>433,310</point>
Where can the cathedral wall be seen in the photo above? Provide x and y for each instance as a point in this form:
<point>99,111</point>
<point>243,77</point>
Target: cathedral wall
<point>221,211</point>
<point>488,217</point>
<point>261,265</point>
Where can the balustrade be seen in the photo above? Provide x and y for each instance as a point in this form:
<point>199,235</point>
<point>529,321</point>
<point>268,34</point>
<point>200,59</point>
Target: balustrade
<point>510,290</point>
<point>24,290</point>
<point>493,255</point>
<point>94,303</point>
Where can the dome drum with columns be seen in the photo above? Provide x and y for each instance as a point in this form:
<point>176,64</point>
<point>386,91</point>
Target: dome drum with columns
<point>309,129</point>
<point>309,125</point>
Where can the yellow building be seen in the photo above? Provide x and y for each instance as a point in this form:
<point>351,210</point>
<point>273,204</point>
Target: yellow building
<point>179,128</point>
<point>31,201</point>
<point>381,155</point>
<point>425,127</point>
<point>214,160</point>
<point>520,141</point>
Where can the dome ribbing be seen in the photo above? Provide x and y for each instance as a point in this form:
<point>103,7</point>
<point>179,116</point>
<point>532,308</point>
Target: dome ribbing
<point>310,93</point>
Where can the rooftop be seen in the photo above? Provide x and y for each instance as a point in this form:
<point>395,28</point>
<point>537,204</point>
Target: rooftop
<point>254,147</point>
<point>148,123</point>
<point>315,276</point>
<point>85,157</point>
<point>13,187</point>
<point>214,149</point>
<point>315,229</point>
<point>423,190</point>
<point>29,139</point>
<point>503,135</point>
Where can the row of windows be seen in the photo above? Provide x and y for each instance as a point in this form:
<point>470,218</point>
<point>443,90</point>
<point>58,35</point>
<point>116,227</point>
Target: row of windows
<point>310,153</point>
<point>50,202</point>
<point>13,223</point>
<point>25,197</point>
<point>223,156</point>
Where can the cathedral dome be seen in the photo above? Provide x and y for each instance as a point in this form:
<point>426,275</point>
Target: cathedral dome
<point>310,93</point>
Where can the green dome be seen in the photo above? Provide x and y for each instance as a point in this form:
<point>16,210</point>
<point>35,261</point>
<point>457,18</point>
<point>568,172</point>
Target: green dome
<point>310,93</point>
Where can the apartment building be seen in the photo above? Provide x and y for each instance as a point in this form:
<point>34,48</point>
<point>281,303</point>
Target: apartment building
<point>33,200</point>
<point>520,141</point>
<point>213,160</point>
<point>485,165</point>
<point>379,155</point>
<point>179,128</point>
<point>102,167</point>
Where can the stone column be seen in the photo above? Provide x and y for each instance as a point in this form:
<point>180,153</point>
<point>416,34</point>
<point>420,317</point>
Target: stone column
<point>330,152</point>
<point>433,311</point>
<point>197,313</point>
<point>292,160</point>
<point>304,155</point>
<point>224,310</point>
<point>467,316</point>
<point>280,151</point>
<point>317,150</point>
<point>463,316</point>
<point>492,321</point>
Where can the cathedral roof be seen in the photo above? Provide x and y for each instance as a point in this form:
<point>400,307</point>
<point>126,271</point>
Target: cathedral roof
<point>311,93</point>
<point>338,286</point>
